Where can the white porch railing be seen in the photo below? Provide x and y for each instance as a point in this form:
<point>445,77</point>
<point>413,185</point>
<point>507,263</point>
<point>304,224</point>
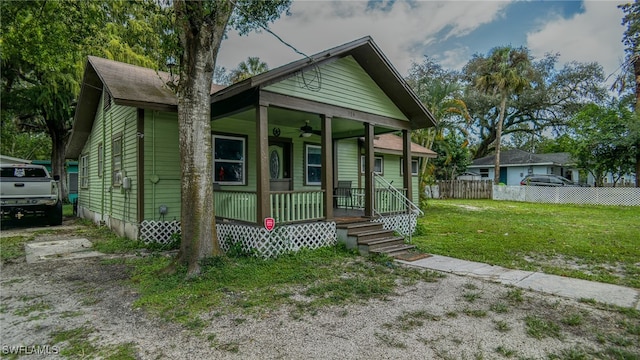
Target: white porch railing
<point>236,205</point>
<point>286,206</point>
<point>294,206</point>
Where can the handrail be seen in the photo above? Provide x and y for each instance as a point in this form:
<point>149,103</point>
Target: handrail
<point>410,205</point>
<point>399,195</point>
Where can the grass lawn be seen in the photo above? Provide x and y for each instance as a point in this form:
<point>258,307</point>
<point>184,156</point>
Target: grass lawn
<point>600,243</point>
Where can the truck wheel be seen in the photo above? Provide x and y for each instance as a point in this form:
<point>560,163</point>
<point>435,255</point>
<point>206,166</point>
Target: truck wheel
<point>54,215</point>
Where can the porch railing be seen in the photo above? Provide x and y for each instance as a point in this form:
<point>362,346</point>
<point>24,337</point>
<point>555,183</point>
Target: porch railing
<point>236,205</point>
<point>286,206</point>
<point>293,206</point>
<point>391,200</point>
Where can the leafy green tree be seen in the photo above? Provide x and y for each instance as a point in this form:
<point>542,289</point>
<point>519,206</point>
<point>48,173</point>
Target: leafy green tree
<point>453,156</point>
<point>601,141</point>
<point>43,51</point>
<point>554,97</point>
<point>248,68</point>
<point>21,143</point>
<point>505,72</point>
<point>440,91</point>
<point>200,27</point>
<point>562,143</point>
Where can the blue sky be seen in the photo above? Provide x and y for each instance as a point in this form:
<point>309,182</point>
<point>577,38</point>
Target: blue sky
<point>448,31</point>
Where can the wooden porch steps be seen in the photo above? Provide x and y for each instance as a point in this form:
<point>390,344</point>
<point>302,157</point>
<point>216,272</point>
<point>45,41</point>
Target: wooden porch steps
<point>370,238</point>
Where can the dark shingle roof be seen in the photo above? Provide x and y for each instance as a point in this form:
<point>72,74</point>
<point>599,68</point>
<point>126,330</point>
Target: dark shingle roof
<point>519,157</point>
<point>140,87</point>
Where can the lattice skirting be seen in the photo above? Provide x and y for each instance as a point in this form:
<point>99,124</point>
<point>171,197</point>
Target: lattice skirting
<point>403,224</point>
<point>281,240</point>
<point>158,231</point>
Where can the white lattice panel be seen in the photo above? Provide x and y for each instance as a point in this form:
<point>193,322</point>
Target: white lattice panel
<point>281,240</point>
<point>403,224</point>
<point>569,195</point>
<point>158,231</point>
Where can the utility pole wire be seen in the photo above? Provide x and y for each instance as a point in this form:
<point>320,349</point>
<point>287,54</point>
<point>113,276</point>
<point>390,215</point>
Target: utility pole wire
<point>266,28</point>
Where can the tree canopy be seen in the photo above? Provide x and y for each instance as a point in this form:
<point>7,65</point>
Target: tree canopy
<point>602,142</point>
<point>44,47</point>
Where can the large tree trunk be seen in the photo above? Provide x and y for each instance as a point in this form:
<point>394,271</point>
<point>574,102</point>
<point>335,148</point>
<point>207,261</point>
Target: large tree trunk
<point>503,105</point>
<point>200,35</point>
<point>59,134</point>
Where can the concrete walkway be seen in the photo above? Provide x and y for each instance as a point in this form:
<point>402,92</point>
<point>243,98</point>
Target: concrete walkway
<point>550,284</point>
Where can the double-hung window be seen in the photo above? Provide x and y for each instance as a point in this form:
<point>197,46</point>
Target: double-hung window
<point>313,164</point>
<point>414,167</point>
<point>84,171</point>
<point>229,159</point>
<point>116,160</point>
<point>377,165</point>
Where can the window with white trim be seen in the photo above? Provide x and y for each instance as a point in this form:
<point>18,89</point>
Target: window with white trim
<point>116,161</point>
<point>229,159</point>
<point>414,167</point>
<point>100,159</point>
<point>84,171</point>
<point>313,164</point>
<point>378,167</point>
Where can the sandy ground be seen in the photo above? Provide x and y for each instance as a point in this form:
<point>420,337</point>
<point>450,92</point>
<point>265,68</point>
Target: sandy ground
<point>423,321</point>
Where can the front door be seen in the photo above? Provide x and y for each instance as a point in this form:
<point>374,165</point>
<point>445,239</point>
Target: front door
<point>280,164</point>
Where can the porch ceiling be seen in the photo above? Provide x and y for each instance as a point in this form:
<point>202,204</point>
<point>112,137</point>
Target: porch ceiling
<point>292,119</point>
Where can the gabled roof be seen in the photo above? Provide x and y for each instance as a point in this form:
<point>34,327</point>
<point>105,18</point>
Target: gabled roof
<point>128,85</point>
<point>517,157</point>
<point>392,144</point>
<point>369,57</point>
<point>140,87</point>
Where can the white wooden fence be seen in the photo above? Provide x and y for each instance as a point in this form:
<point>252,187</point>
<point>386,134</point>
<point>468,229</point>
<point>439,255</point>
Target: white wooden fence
<point>569,195</point>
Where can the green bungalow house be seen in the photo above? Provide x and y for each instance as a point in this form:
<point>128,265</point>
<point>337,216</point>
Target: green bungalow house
<point>309,144</point>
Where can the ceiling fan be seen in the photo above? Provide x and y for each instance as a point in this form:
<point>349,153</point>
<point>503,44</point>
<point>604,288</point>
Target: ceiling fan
<point>306,130</point>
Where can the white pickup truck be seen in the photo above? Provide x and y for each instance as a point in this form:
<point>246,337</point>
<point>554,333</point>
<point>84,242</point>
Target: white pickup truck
<point>28,190</point>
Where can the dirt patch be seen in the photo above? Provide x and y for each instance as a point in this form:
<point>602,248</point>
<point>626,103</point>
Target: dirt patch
<point>564,262</point>
<point>453,318</point>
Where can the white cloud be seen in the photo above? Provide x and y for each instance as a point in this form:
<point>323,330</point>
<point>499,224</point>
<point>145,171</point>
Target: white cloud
<point>592,36</point>
<point>401,31</point>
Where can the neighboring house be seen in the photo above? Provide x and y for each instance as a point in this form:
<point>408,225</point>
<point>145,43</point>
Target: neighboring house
<point>72,176</point>
<point>282,143</point>
<point>516,164</point>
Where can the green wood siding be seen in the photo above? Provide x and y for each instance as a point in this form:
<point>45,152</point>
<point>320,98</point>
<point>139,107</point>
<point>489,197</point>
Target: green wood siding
<point>348,161</point>
<point>161,165</point>
<point>342,83</point>
<point>101,197</point>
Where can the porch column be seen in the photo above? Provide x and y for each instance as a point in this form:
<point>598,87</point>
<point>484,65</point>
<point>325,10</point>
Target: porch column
<point>263,209</point>
<point>368,169</point>
<point>406,162</point>
<point>327,165</point>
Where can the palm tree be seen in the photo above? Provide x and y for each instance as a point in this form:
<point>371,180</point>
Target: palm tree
<point>248,68</point>
<point>504,72</point>
<point>441,98</point>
